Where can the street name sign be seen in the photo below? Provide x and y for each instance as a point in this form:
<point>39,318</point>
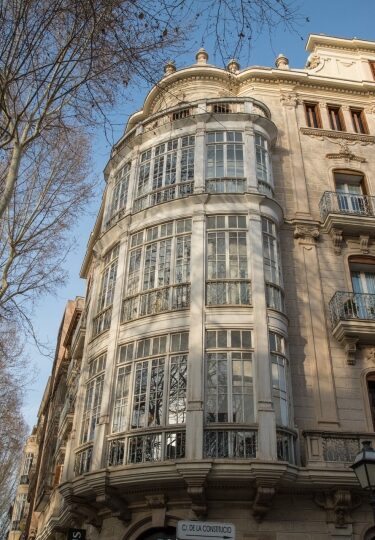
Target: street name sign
<point>201,530</point>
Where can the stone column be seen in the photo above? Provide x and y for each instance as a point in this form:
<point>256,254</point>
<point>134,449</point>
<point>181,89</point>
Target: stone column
<point>195,389</point>
<point>265,414</point>
<point>200,158</point>
<point>101,430</point>
<point>347,119</point>
<point>132,180</point>
<point>250,160</point>
<point>296,169</point>
<point>318,351</point>
<point>326,124</point>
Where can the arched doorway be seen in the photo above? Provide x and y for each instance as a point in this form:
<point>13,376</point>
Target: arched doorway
<point>167,533</point>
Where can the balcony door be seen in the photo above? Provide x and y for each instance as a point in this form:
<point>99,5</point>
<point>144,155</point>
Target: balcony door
<point>350,193</point>
<point>363,283</point>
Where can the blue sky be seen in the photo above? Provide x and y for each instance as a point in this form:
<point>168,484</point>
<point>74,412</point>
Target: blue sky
<point>342,18</point>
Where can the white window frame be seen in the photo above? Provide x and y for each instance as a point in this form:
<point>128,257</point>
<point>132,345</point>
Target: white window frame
<point>218,144</point>
<point>244,353</point>
<point>166,350</point>
<point>229,289</point>
<point>279,371</point>
<point>93,398</point>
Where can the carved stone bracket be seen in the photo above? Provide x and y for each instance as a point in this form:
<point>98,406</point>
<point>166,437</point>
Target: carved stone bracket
<point>336,235</point>
<point>338,505</point>
<point>80,509</point>
<point>158,505</point>
<point>109,497</point>
<point>363,243</point>
<point>350,345</point>
<point>262,502</point>
<point>196,479</point>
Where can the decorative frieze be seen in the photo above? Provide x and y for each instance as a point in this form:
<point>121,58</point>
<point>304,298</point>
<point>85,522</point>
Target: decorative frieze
<point>322,134</point>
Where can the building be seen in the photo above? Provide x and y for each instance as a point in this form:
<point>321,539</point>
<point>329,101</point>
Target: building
<point>227,338</point>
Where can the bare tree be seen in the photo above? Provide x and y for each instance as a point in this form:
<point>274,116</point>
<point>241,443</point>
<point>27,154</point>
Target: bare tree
<point>63,62</point>
<point>12,425</point>
<point>49,196</point>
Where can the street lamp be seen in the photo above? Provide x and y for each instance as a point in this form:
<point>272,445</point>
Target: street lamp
<point>364,468</point>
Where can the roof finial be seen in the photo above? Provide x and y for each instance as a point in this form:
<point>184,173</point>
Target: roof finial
<point>201,56</point>
<point>282,62</point>
<point>169,68</point>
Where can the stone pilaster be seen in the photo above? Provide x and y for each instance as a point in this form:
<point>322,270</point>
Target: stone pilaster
<point>195,390</point>
<point>265,414</point>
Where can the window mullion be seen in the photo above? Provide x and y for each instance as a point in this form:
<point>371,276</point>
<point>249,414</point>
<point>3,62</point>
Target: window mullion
<point>230,385</point>
<point>147,400</point>
<point>178,161</point>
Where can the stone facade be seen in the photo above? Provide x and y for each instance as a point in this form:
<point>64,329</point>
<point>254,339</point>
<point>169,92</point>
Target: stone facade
<point>226,347</point>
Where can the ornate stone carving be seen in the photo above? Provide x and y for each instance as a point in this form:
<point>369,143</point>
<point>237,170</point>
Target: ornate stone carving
<point>313,61</point>
<point>289,99</point>
<point>371,355</point>
<point>336,235</point>
<point>306,233</point>
<point>262,502</point>
<point>323,134</point>
<point>112,499</point>
<point>338,505</point>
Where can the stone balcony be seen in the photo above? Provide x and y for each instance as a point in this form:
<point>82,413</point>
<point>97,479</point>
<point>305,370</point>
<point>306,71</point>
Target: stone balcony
<point>347,214</point>
<point>353,320</point>
<point>325,449</point>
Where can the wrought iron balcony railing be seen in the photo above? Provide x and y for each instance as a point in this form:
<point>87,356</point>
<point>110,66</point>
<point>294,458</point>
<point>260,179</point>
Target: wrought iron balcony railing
<point>347,306</point>
<point>171,298</point>
<point>333,202</point>
<point>165,194</point>
<point>142,448</point>
<point>226,185</point>
<point>230,443</point>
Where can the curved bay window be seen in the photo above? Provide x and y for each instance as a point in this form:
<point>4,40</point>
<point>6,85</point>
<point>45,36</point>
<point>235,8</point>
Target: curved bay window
<point>229,396</point>
<point>119,195</point>
<point>272,265</point>
<point>166,172</point>
<point>227,261</point>
<point>279,378</point>
<point>263,172</point>
<point>150,395</point>
<point>225,162</point>
<point>158,278</point>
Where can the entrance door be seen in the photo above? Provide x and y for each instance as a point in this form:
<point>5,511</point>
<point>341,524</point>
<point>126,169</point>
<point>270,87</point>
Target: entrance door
<point>168,533</point>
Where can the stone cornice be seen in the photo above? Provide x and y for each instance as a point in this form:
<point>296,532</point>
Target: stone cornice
<point>322,133</point>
